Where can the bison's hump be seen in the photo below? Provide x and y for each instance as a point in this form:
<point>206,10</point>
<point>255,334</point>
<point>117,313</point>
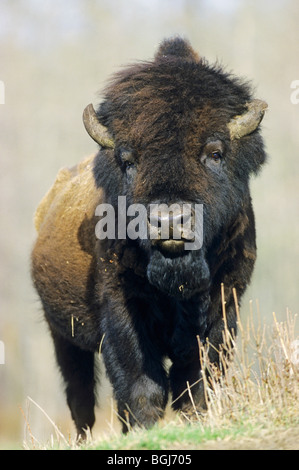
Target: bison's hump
<point>67,188</point>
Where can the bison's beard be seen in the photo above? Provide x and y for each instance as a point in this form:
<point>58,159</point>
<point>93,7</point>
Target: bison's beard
<point>181,277</point>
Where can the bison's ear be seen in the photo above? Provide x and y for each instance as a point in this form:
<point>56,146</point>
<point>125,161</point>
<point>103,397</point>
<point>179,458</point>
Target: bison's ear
<point>247,122</point>
<point>95,129</point>
<point>177,47</point>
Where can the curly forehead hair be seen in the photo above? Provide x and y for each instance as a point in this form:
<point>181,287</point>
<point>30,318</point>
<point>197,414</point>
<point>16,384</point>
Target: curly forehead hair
<point>176,82</point>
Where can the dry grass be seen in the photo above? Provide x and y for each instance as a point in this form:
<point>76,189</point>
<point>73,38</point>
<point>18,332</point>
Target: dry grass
<point>258,376</point>
<point>253,396</point>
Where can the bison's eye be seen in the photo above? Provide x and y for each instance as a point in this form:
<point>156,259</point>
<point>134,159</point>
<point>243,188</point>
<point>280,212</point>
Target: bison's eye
<point>128,164</point>
<point>216,156</point>
<point>212,155</point>
<point>127,158</point>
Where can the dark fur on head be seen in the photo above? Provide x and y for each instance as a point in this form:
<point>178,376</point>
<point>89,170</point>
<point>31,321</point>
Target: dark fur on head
<point>165,111</point>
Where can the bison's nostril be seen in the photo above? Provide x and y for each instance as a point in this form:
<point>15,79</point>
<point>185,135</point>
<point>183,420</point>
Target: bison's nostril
<point>176,225</point>
<point>158,220</point>
<point>171,222</point>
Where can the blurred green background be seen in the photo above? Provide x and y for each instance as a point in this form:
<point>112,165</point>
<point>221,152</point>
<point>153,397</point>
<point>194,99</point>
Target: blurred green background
<point>55,57</point>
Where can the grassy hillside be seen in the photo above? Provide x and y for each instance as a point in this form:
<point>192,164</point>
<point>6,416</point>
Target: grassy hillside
<point>238,436</point>
<point>253,399</point>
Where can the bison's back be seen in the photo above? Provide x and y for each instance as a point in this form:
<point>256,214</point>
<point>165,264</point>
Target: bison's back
<point>63,257</point>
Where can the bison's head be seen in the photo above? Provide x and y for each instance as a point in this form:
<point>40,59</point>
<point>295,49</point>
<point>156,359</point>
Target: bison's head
<point>178,131</point>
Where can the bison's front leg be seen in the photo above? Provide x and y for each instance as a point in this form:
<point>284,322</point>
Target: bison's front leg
<point>187,387</point>
<point>185,373</point>
<point>134,366</point>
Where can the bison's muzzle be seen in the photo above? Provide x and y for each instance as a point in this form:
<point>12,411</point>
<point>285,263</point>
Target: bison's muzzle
<point>170,227</point>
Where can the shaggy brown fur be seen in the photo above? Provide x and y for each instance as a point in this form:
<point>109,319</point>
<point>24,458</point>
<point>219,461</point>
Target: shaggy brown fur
<point>136,299</point>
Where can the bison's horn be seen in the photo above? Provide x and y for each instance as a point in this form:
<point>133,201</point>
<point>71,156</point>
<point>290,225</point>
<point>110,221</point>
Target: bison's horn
<point>249,121</point>
<point>95,129</point>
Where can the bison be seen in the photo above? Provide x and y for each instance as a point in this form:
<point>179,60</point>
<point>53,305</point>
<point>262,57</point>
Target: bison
<point>174,130</point>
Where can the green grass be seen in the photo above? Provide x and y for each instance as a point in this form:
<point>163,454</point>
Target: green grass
<point>170,436</point>
<point>250,432</point>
